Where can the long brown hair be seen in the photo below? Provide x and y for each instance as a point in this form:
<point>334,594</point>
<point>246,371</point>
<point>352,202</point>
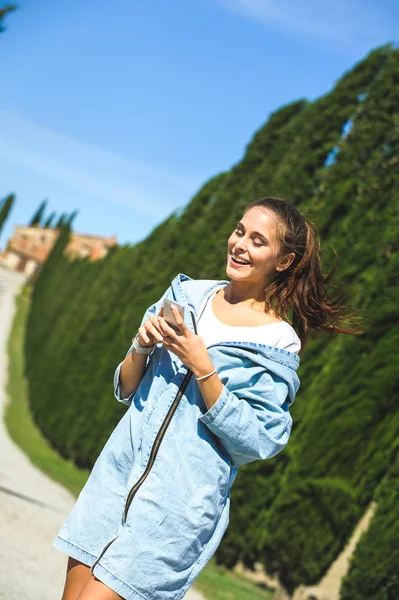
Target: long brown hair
<point>301,287</point>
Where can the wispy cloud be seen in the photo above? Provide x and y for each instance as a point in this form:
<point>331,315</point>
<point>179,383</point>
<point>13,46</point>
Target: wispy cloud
<point>88,168</point>
<point>351,24</point>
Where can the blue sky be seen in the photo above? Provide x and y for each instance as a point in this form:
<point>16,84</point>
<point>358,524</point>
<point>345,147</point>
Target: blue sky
<point>123,110</point>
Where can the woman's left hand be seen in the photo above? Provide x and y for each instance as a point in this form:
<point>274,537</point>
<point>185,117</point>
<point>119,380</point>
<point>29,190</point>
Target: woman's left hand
<point>187,346</point>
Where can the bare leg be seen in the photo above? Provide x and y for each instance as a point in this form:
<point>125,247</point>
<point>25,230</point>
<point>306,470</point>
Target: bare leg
<point>96,590</point>
<point>78,574</point>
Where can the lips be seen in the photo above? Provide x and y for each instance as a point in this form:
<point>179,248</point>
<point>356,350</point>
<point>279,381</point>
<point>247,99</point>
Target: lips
<point>233,256</point>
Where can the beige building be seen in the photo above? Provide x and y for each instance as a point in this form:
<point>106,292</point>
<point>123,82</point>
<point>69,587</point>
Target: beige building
<point>29,246</point>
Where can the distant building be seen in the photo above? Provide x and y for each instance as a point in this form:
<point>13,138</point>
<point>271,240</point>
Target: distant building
<point>29,246</point>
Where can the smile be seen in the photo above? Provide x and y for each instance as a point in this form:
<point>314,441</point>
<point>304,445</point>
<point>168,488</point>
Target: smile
<point>238,261</point>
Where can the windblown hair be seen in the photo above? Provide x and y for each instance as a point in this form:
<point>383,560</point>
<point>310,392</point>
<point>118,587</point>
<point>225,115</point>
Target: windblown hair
<point>302,285</point>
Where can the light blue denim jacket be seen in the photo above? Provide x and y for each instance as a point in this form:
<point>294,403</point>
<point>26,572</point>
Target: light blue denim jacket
<point>156,504</point>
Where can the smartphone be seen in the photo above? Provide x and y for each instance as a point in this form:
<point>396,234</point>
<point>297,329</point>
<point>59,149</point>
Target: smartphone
<point>168,313</point>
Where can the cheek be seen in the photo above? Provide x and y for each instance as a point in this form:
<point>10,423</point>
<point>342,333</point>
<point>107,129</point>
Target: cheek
<point>259,258</point>
<point>230,241</point>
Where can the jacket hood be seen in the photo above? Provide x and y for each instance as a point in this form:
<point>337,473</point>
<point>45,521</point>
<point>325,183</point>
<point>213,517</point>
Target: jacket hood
<point>193,293</point>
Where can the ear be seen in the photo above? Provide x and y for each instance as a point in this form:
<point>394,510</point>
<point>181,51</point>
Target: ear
<point>285,262</point>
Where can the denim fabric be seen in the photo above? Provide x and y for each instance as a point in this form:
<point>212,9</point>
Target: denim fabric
<point>180,512</point>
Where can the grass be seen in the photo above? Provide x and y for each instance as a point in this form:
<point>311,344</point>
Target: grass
<point>218,583</point>
<point>215,582</point>
<point>18,418</point>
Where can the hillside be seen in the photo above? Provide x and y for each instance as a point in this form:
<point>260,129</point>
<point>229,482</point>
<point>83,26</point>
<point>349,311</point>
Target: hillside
<point>338,160</point>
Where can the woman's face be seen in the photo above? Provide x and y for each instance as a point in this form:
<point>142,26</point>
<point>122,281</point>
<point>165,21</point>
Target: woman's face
<point>254,241</point>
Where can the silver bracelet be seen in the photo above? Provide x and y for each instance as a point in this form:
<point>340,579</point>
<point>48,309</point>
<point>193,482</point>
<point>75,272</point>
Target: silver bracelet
<point>203,377</point>
<point>141,349</point>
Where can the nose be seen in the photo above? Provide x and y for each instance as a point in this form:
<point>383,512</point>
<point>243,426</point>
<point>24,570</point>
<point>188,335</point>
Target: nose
<point>240,247</point>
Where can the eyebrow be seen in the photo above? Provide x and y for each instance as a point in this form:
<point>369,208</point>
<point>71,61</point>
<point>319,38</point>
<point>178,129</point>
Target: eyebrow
<point>256,232</point>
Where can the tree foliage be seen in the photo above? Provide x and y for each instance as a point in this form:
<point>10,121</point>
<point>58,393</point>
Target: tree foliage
<point>4,12</point>
<point>5,208</point>
<point>48,222</point>
<point>60,221</point>
<point>37,218</point>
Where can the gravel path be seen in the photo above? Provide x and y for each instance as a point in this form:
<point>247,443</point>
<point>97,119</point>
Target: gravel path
<point>329,586</point>
<point>32,506</point>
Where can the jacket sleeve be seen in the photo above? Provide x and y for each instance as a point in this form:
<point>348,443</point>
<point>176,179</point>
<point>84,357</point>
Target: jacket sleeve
<point>253,423</point>
<point>152,310</point>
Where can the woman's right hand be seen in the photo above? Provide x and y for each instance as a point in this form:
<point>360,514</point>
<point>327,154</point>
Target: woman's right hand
<point>150,332</point>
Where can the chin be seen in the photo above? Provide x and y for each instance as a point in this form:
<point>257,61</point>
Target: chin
<point>234,273</point>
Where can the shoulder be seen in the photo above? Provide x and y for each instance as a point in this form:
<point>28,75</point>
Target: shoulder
<point>288,338</point>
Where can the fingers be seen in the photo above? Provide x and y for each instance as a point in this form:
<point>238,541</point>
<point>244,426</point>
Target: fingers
<point>152,326</point>
<point>178,318</point>
<point>156,329</point>
<point>166,329</point>
<point>171,331</point>
<point>150,331</point>
<point>143,336</point>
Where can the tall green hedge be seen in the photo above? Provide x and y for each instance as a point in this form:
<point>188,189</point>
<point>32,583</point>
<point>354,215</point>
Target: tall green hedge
<point>373,572</point>
<point>296,511</point>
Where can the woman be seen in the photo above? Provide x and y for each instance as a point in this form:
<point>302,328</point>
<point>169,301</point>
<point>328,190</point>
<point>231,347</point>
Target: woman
<point>205,397</point>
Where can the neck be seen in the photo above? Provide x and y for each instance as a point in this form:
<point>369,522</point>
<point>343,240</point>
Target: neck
<point>243,292</point>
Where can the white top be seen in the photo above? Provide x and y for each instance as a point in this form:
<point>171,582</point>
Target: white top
<point>280,334</point>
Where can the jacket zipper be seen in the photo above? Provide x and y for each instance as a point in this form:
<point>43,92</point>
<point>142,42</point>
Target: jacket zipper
<point>102,554</point>
<point>153,453</point>
<point>157,442</point>
<point>160,434</point>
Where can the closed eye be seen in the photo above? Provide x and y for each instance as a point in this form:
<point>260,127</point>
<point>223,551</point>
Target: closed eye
<point>238,232</point>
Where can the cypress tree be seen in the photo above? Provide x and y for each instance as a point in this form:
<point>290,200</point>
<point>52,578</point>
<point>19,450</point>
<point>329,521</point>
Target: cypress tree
<point>49,220</point>
<point>38,216</point>
<point>5,208</point>
<point>61,221</point>
<point>37,323</point>
<point>72,217</point>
